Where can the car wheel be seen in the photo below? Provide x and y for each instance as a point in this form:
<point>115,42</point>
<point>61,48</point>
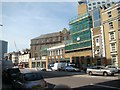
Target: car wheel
<point>66,70</point>
<point>112,74</point>
<point>90,73</point>
<point>105,74</point>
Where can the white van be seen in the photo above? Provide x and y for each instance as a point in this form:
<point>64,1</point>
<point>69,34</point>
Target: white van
<point>58,66</point>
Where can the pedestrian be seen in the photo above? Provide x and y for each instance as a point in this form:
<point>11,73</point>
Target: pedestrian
<point>62,87</point>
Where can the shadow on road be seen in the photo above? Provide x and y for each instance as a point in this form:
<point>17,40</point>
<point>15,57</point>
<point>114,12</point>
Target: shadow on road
<point>55,74</point>
<point>109,85</point>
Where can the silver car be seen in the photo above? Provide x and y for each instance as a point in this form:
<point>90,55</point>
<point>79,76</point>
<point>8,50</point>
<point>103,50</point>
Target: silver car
<point>71,68</point>
<point>29,80</point>
<point>101,70</point>
<point>113,67</point>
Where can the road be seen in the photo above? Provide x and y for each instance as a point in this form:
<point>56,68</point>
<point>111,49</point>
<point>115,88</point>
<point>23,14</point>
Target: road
<point>80,80</point>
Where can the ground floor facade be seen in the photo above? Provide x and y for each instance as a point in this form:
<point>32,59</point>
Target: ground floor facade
<point>80,58</point>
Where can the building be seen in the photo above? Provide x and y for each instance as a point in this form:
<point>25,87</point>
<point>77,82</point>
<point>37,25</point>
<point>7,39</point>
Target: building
<point>93,4</point>
<point>97,33</point>
<point>40,44</point>
<point>3,48</point>
<point>79,49</point>
<point>111,23</point>
<point>14,56</point>
<point>24,58</point>
<point>82,7</point>
<point>56,54</point>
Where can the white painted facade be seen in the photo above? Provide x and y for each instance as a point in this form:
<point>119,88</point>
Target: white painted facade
<point>24,58</point>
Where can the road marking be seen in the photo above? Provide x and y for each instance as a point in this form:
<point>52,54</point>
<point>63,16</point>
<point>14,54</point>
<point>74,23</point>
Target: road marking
<point>105,86</point>
<point>103,77</point>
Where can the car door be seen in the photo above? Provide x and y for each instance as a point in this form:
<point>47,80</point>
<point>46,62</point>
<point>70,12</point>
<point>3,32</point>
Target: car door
<point>97,70</point>
<point>18,82</point>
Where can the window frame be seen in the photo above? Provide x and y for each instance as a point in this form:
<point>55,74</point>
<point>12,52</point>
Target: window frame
<point>111,25</point>
<point>109,14</point>
<point>113,47</point>
<point>112,36</point>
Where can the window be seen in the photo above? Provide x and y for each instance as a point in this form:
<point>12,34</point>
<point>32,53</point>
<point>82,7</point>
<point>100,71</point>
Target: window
<point>113,47</point>
<point>111,25</point>
<point>112,36</point>
<point>113,59</point>
<point>113,2</point>
<point>89,4</point>
<point>118,10</point>
<point>119,34</point>
<point>97,41</point>
<point>90,8</point>
<point>98,2</point>
<point>35,48</point>
<point>109,14</point>
<point>94,7</point>
<point>94,3</point>
<point>36,55</point>
<point>118,23</point>
<point>103,2</point>
<point>108,5</point>
<point>56,52</point>
<point>65,37</point>
<point>97,51</point>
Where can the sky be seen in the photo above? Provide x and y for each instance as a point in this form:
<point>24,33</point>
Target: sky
<point>27,19</point>
<point>23,21</point>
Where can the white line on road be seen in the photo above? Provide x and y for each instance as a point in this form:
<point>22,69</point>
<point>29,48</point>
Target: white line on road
<point>103,77</point>
<point>106,86</point>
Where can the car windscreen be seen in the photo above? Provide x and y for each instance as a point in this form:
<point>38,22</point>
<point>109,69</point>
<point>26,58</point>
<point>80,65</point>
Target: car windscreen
<point>11,71</point>
<point>32,76</point>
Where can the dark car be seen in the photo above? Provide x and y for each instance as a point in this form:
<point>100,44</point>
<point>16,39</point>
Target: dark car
<point>9,74</point>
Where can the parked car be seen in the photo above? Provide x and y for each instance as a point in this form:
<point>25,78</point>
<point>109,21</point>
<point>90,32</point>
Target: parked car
<point>9,73</point>
<point>41,69</point>
<point>29,80</point>
<point>50,65</point>
<point>113,67</point>
<point>58,66</point>
<point>71,68</point>
<point>101,70</point>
